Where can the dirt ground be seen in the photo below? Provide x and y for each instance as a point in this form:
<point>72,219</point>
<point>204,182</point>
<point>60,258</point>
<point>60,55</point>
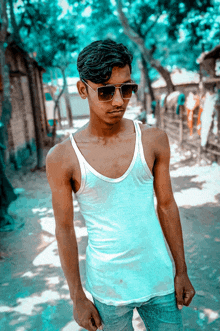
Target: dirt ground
<point>34,293</point>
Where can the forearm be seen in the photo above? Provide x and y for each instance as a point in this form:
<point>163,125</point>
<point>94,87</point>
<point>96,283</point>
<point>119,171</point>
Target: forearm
<point>68,253</point>
<point>170,222</point>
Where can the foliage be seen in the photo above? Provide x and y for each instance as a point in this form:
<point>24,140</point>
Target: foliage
<point>202,30</point>
<point>46,33</point>
<point>175,32</point>
<point>166,25</point>
<point>159,23</point>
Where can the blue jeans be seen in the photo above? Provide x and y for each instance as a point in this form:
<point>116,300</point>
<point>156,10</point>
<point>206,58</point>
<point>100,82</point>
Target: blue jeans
<point>158,314</point>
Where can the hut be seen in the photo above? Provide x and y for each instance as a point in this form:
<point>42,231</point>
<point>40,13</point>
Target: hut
<point>197,125</point>
<point>183,80</point>
<point>172,120</point>
<point>21,128</point>
<point>210,91</point>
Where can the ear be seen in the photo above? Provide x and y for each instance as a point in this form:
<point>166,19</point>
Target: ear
<point>82,89</point>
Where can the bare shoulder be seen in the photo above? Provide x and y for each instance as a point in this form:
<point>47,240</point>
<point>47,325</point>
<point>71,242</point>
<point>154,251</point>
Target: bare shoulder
<point>60,160</point>
<point>59,152</point>
<point>156,139</point>
<point>62,151</point>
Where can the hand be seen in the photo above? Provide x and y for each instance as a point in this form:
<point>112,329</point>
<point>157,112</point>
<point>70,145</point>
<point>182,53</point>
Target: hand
<point>86,314</point>
<point>184,290</point>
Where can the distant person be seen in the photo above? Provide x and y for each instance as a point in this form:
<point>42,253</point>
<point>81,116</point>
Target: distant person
<point>114,165</point>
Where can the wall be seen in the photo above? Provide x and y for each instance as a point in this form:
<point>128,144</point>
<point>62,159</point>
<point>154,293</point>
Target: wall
<point>80,107</point>
<point>21,130</point>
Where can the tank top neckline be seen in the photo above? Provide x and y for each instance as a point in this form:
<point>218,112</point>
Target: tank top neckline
<point>98,174</point>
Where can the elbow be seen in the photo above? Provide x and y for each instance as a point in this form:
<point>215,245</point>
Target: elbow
<point>166,204</point>
<point>62,232</point>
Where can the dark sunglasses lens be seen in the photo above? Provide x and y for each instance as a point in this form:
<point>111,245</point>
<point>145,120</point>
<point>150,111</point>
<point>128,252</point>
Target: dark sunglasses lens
<point>106,93</point>
<point>127,90</point>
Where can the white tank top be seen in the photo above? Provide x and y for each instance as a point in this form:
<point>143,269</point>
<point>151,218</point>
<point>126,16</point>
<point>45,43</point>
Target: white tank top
<point>126,258</point>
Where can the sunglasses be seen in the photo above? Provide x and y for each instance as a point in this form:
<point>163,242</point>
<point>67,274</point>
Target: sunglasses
<point>106,93</point>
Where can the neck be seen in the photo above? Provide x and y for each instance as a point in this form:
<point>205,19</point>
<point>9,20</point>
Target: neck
<point>101,129</point>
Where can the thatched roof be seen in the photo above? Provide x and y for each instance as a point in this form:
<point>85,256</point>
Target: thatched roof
<point>214,53</point>
<point>179,77</point>
<point>16,47</point>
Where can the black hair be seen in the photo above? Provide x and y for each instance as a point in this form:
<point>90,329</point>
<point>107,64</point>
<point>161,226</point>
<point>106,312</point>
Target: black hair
<point>96,61</point>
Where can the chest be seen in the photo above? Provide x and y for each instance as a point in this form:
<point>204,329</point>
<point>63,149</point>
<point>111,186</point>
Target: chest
<point>112,159</point>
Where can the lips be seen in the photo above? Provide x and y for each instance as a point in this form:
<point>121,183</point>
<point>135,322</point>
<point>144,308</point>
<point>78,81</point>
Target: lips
<point>116,111</point>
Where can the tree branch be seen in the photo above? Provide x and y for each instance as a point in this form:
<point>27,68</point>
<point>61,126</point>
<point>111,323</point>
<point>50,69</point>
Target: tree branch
<point>152,25</point>
<point>139,41</point>
<point>4,16</point>
<point>15,33</point>
<point>21,23</point>
<point>127,28</point>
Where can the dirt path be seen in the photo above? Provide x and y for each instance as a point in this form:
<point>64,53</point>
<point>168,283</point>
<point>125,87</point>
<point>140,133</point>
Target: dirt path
<point>34,293</point>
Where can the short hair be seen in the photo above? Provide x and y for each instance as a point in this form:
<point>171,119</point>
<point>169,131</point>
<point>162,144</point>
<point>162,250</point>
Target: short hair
<point>96,61</point>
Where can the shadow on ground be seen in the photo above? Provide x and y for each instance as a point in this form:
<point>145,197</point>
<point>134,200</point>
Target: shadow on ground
<point>34,293</point>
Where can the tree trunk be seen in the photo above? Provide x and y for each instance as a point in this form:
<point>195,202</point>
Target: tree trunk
<point>66,95</point>
<point>56,106</point>
<point>6,98</point>
<point>139,41</point>
<point>36,112</point>
<point>59,116</point>
<point>21,105</point>
<point>165,74</point>
<point>142,84</point>
<point>6,106</point>
<point>44,106</point>
<point>7,194</point>
<point>4,72</point>
<point>147,78</point>
<point>54,99</point>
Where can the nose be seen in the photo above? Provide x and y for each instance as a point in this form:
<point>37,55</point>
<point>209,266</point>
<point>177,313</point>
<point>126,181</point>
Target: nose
<point>117,98</point>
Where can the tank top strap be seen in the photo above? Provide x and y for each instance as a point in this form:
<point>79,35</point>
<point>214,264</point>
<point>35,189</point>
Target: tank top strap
<point>137,127</point>
<point>81,163</point>
<point>138,132</point>
<point>140,147</point>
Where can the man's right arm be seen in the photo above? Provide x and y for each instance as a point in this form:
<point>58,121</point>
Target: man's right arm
<point>59,176</point>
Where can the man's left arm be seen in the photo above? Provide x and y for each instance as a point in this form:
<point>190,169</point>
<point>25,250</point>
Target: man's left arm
<point>169,218</point>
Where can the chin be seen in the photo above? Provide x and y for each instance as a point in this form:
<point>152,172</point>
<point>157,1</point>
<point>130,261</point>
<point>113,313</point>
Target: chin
<point>112,120</point>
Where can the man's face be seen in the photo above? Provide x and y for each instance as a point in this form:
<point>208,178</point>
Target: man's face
<point>110,111</point>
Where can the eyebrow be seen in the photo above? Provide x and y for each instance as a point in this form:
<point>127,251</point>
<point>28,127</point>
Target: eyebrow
<point>127,81</point>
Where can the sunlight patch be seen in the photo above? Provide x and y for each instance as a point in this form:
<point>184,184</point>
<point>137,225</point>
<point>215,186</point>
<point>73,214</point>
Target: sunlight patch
<point>72,326</point>
<point>5,309</point>
<point>52,280</point>
<point>49,256</point>
<point>81,232</point>
<point>194,197</point>
<point>27,305</point>
<point>88,294</point>
<point>39,210</point>
<point>212,315</point>
<point>82,257</point>
<point>29,274</point>
<point>48,224</point>
<point>209,176</point>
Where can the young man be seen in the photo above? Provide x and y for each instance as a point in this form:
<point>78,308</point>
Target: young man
<point>113,165</point>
